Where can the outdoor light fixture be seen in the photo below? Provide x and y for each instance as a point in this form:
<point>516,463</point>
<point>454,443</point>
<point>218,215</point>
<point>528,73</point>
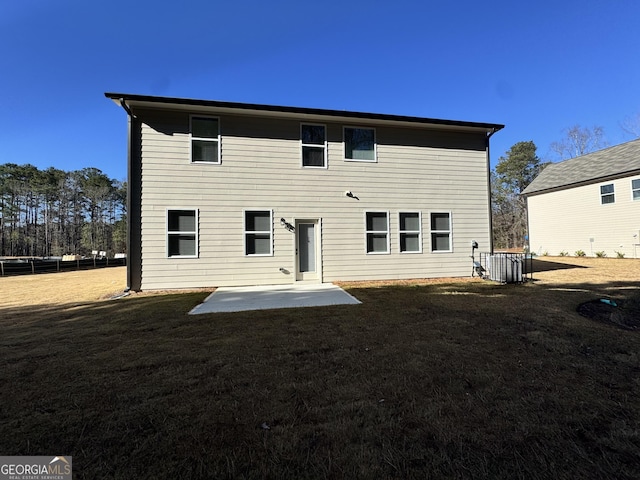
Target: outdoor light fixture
<point>287,225</point>
<point>350,194</point>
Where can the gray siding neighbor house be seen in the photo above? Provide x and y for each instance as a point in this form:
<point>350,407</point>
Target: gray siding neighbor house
<point>225,194</point>
<point>589,203</point>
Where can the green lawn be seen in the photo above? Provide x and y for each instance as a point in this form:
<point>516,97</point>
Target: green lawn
<point>469,380</point>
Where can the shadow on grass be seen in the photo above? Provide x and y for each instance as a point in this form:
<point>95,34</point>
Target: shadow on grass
<point>460,380</point>
<point>547,266</point>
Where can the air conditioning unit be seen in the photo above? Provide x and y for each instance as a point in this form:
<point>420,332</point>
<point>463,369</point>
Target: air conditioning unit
<point>505,267</point>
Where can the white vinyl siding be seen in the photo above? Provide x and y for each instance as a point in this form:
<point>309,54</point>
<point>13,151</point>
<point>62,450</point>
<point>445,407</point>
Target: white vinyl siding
<point>359,144</point>
<point>205,139</point>
<point>410,233</point>
<point>575,219</point>
<point>182,233</point>
<point>418,170</point>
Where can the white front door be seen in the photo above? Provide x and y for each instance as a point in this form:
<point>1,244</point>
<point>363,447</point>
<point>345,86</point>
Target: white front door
<point>307,251</point>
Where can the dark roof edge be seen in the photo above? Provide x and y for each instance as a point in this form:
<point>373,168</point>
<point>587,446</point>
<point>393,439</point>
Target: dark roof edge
<point>591,181</point>
<point>494,127</point>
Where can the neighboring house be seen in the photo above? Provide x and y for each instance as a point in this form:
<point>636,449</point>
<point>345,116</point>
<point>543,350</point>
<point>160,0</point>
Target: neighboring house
<point>589,203</point>
<point>224,194</point>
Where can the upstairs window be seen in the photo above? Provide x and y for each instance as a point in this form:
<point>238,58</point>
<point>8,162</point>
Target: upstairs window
<point>410,236</point>
<point>258,232</point>
<point>441,232</point>
<point>377,225</point>
<point>607,194</point>
<point>205,140</point>
<point>314,145</point>
<point>635,189</point>
<point>182,233</point>
<point>360,144</point>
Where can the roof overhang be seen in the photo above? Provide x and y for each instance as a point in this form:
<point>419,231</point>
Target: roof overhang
<point>134,102</point>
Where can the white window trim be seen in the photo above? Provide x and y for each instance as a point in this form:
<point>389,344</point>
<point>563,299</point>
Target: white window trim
<point>246,232</point>
<point>367,232</point>
<point>168,233</point>
<point>602,195</point>
<point>635,190</point>
<point>450,232</point>
<point>206,139</point>
<point>315,145</point>
<point>419,232</point>
<point>344,145</point>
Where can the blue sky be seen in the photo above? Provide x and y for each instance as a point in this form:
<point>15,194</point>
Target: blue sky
<point>537,67</point>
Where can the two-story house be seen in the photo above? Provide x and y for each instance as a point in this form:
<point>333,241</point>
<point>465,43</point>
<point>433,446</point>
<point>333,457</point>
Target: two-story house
<point>224,194</point>
<point>588,204</point>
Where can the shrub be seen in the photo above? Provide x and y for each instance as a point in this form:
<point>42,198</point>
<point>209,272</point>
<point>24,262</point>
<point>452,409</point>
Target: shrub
<point>601,254</point>
<point>564,253</point>
<point>580,253</point>
<point>619,254</point>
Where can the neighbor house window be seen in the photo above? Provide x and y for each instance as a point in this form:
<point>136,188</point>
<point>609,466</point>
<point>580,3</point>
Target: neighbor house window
<point>360,144</point>
<point>606,194</point>
<point>258,232</point>
<point>410,236</point>
<point>377,224</point>
<point>314,145</point>
<point>440,232</point>
<point>635,189</point>
<point>205,139</point>
<point>182,233</point>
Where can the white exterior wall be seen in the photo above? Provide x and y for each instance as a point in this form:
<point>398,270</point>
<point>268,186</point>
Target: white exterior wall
<point>416,170</point>
<point>575,219</point>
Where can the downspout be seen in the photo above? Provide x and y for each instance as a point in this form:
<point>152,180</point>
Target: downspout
<point>130,117</point>
<point>490,134</point>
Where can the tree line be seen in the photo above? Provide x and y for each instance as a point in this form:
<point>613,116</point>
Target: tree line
<point>52,212</point>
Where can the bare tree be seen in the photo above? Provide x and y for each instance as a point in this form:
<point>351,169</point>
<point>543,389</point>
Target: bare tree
<point>631,125</point>
<point>579,141</point>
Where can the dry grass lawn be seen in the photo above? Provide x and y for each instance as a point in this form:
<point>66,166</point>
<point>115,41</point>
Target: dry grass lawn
<point>61,288</point>
<point>456,379</point>
<point>103,283</point>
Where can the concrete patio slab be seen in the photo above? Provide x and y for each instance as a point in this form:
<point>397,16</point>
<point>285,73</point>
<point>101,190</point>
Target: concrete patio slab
<point>239,299</point>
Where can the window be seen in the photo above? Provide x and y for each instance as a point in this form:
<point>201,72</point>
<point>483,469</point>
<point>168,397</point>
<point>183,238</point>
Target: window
<point>440,232</point>
<point>606,194</point>
<point>257,232</point>
<point>635,189</point>
<point>314,145</point>
<point>410,237</point>
<point>377,224</point>
<point>205,139</point>
<point>360,144</point>
<point>182,233</point>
